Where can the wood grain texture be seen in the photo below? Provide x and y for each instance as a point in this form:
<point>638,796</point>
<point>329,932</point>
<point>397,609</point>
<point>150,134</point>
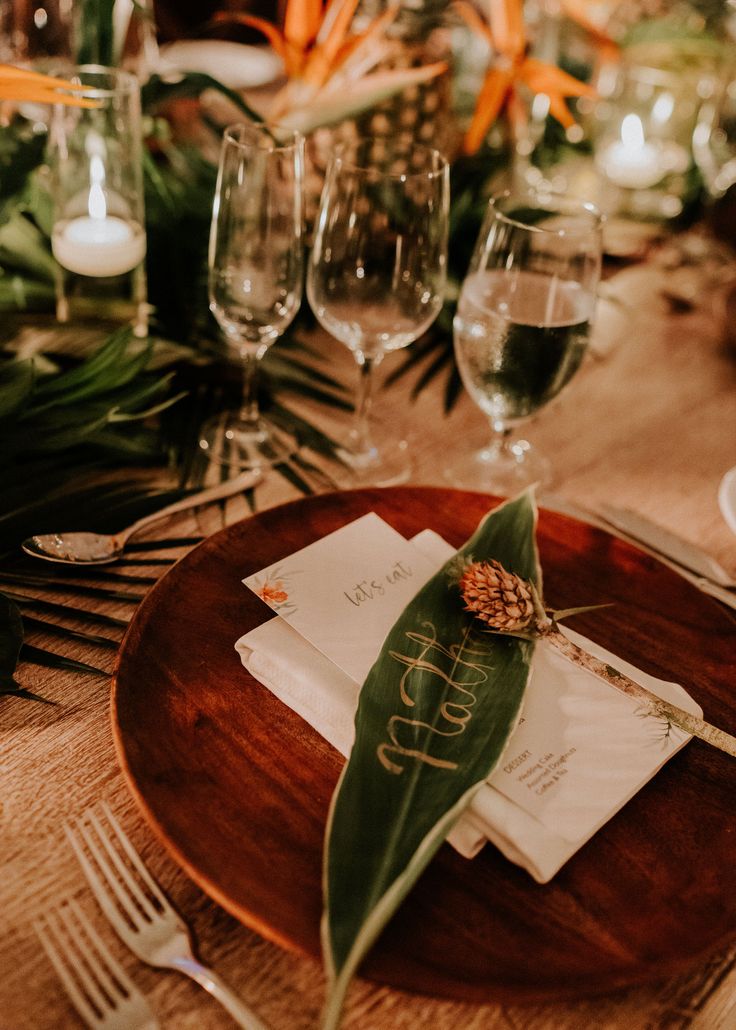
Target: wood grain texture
<point>238,786</point>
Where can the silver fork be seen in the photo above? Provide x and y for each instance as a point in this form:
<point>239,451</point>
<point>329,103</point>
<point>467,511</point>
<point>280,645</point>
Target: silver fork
<point>98,987</point>
<point>139,911</point>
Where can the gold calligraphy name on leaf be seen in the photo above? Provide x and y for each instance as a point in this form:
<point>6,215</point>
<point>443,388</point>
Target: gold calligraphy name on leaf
<point>453,713</point>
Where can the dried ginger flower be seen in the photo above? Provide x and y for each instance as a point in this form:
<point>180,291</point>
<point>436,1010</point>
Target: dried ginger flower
<point>499,598</point>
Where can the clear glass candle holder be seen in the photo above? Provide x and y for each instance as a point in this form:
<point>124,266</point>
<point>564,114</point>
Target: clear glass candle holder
<point>98,236</point>
<point>642,135</point>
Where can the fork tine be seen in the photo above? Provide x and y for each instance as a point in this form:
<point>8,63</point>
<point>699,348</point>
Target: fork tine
<point>135,858</point>
<point>133,902</point>
<point>86,969</point>
<point>100,891</point>
<point>113,978</point>
<point>135,893</point>
<point>43,931</point>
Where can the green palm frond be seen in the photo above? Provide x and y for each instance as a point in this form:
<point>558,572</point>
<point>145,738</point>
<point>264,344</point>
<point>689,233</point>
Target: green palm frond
<point>80,406</point>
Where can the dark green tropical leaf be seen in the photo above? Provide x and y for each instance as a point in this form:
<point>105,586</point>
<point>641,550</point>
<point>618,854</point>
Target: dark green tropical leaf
<point>21,293</point>
<point>95,369</point>
<point>433,719</point>
<point>11,640</point>
<point>96,32</point>
<point>23,246</point>
<point>55,630</point>
<point>40,656</point>
<point>160,90</point>
<point>16,383</point>
<point>21,150</point>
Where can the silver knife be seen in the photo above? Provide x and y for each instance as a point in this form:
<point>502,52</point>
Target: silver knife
<point>699,568</point>
<point>668,544</point>
<point>654,541</point>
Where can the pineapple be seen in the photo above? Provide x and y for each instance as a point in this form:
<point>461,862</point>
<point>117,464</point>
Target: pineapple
<point>421,113</point>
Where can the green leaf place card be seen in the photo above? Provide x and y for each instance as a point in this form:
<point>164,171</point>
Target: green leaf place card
<point>578,753</point>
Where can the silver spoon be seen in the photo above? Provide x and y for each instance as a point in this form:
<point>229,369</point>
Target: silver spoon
<point>100,548</point>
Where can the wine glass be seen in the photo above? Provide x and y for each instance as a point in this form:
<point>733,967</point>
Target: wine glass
<point>522,324</point>
<point>714,137</point>
<point>377,273</point>
<point>255,277</point>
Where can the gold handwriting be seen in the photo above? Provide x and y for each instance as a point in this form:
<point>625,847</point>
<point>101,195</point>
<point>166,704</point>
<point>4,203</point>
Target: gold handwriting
<point>454,713</point>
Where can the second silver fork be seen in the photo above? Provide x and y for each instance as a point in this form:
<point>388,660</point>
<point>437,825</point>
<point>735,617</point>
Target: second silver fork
<point>139,911</point>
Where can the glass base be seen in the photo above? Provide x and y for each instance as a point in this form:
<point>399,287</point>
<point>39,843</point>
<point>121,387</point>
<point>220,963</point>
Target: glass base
<point>505,467</point>
<point>387,464</point>
<point>229,440</point>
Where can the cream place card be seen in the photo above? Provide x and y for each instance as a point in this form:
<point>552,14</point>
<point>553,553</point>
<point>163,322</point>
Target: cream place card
<point>344,592</point>
<point>582,748</point>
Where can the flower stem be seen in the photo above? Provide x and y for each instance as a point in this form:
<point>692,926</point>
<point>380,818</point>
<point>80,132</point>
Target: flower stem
<point>656,705</point>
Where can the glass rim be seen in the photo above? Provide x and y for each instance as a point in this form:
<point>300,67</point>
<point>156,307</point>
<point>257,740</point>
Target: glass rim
<point>568,205</point>
<point>439,159</point>
<point>261,132</point>
<point>121,81</point>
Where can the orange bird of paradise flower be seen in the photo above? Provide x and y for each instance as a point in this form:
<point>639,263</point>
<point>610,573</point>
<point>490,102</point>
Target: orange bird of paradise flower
<point>19,84</point>
<point>505,32</point>
<point>331,70</point>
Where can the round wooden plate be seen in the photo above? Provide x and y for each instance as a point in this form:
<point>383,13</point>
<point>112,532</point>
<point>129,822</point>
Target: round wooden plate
<point>237,786</point>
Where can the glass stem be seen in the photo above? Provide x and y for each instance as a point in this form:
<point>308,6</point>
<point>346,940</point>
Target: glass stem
<point>363,404</point>
<point>249,411</point>
<point>501,435</point>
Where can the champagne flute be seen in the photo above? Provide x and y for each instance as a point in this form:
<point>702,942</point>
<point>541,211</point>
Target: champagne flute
<point>255,277</point>
<point>522,324</point>
<point>377,273</point>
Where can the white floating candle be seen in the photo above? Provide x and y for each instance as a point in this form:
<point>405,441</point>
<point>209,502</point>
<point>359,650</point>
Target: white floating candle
<point>98,247</point>
<point>98,244</point>
<point>631,162</point>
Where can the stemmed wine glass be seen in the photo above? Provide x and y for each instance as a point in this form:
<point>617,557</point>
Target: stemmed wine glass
<point>377,272</point>
<point>714,137</point>
<point>522,324</point>
<point>255,276</point>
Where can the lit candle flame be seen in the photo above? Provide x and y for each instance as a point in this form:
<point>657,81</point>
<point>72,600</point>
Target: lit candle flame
<point>632,132</point>
<point>96,204</point>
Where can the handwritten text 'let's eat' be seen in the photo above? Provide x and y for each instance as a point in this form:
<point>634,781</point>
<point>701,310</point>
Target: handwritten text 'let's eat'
<point>367,589</point>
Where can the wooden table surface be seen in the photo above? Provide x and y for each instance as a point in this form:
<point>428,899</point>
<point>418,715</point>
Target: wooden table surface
<point>649,424</point>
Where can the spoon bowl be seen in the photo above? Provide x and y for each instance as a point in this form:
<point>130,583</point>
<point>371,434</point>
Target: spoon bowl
<point>84,548</point>
<point>74,548</point>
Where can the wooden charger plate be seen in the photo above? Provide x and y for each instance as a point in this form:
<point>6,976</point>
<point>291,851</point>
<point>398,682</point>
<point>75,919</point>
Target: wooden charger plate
<point>237,786</point>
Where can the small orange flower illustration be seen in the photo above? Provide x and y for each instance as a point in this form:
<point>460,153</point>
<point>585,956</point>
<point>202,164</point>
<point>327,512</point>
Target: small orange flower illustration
<point>273,593</point>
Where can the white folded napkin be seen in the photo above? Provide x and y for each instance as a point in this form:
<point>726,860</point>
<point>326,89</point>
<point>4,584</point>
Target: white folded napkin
<point>577,756</point>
